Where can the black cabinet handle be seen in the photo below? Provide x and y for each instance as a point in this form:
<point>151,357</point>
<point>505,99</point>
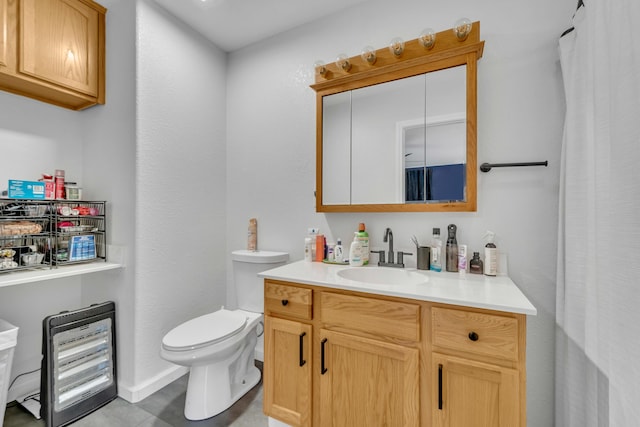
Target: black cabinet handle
<point>440,387</point>
<point>302,361</point>
<point>285,301</point>
<point>323,370</point>
<point>473,336</point>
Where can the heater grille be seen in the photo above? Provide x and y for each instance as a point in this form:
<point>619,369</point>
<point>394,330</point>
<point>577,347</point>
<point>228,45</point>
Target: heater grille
<point>79,363</point>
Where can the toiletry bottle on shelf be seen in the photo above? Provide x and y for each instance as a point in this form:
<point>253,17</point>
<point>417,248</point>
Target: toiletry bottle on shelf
<point>338,251</point>
<point>308,249</point>
<point>475,265</point>
<point>462,260</point>
<point>355,252</point>
<point>452,248</point>
<point>363,236</point>
<point>436,251</point>
<point>252,240</point>
<point>490,255</point>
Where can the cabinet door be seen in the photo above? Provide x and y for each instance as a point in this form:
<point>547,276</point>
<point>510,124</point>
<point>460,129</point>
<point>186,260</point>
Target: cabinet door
<point>367,383</point>
<point>287,371</point>
<point>59,40</point>
<point>473,394</point>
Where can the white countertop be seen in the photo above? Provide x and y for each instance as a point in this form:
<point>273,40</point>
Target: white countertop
<point>493,293</point>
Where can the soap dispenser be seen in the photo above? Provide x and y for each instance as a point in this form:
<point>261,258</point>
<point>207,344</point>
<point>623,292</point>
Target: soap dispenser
<point>355,252</point>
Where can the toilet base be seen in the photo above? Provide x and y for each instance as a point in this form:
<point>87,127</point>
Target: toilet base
<point>206,399</point>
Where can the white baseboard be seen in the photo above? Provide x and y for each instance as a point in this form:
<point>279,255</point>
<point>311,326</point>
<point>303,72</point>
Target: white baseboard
<point>146,389</point>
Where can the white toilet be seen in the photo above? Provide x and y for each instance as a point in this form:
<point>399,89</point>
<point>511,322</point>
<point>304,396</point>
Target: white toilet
<point>219,347</point>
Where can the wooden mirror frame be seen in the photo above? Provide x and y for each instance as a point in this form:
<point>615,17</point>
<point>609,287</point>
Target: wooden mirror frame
<point>447,52</point>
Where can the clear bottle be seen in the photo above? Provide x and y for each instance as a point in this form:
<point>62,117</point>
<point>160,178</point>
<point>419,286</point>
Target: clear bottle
<point>363,236</point>
<point>452,248</point>
<point>436,251</point>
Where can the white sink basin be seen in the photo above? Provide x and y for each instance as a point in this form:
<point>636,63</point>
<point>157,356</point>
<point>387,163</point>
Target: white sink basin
<point>383,276</point>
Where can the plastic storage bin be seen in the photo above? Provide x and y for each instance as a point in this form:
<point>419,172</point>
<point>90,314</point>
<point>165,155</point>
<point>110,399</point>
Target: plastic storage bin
<point>8,340</point>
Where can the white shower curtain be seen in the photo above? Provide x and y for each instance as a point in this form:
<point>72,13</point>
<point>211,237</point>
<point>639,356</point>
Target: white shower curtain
<point>598,284</point>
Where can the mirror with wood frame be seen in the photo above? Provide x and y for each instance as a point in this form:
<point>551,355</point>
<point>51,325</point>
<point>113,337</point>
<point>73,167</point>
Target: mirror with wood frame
<point>399,135</point>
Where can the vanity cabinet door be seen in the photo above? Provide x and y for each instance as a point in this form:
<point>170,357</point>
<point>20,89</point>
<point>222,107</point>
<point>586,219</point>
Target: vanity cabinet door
<point>468,393</point>
<point>287,371</point>
<point>367,383</point>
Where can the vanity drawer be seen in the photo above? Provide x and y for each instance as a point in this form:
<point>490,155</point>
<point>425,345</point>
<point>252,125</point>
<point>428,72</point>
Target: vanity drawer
<point>478,333</point>
<point>371,315</point>
<point>287,300</point>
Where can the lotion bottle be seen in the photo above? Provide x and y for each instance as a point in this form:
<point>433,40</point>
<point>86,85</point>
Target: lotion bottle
<point>490,255</point>
<point>355,252</point>
<point>363,236</point>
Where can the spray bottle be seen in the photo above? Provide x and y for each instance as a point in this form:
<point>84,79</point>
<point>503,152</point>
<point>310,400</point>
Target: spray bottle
<point>490,255</point>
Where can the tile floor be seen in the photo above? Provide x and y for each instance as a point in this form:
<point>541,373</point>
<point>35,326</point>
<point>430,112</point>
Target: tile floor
<point>162,409</point>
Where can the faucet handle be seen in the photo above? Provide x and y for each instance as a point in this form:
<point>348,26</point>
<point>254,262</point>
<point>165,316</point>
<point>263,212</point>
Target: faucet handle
<point>401,257</point>
<point>380,256</point>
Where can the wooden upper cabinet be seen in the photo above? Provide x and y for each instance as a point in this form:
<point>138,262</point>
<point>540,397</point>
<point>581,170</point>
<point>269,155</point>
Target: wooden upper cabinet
<point>54,51</point>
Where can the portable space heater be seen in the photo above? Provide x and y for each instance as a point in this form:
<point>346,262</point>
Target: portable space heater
<point>79,363</point>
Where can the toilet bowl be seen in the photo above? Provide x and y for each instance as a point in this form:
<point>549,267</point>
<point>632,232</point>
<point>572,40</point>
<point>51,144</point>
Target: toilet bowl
<point>219,348</point>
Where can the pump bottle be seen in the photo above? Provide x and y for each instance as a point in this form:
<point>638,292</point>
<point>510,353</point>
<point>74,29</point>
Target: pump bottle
<point>355,252</point>
<point>452,248</point>
<point>490,255</point>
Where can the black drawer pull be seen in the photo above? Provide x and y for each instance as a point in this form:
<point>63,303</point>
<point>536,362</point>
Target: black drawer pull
<point>302,361</point>
<point>285,301</point>
<point>473,336</point>
<point>440,386</point>
<point>323,370</point>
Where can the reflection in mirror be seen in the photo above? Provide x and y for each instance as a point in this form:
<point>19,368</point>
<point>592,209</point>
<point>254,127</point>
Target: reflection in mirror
<point>376,175</point>
<point>434,149</point>
<point>336,148</point>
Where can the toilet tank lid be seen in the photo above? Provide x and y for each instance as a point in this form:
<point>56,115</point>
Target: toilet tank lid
<point>259,257</point>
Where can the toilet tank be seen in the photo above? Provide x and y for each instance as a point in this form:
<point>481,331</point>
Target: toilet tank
<point>246,266</point>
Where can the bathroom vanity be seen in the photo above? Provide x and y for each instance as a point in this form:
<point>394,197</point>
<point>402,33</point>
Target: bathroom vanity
<point>372,346</point>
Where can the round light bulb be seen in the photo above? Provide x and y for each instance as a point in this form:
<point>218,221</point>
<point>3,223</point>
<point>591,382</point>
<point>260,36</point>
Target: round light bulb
<point>396,46</point>
<point>342,61</point>
<point>368,55</point>
<point>427,38</point>
<point>321,67</point>
<point>462,28</point>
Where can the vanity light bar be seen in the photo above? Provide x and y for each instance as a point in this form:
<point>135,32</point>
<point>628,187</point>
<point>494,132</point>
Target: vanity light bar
<point>429,47</point>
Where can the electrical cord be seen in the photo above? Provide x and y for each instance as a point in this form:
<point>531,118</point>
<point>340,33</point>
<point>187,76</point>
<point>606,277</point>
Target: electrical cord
<point>21,375</point>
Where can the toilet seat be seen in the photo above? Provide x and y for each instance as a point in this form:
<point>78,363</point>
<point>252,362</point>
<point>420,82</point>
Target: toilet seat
<point>204,330</point>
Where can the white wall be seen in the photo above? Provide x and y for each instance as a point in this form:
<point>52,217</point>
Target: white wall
<point>180,183</point>
<point>271,162</point>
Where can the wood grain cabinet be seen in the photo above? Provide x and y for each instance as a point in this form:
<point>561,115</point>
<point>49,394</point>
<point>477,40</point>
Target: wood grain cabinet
<point>53,51</point>
<point>339,358</point>
<point>478,368</point>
